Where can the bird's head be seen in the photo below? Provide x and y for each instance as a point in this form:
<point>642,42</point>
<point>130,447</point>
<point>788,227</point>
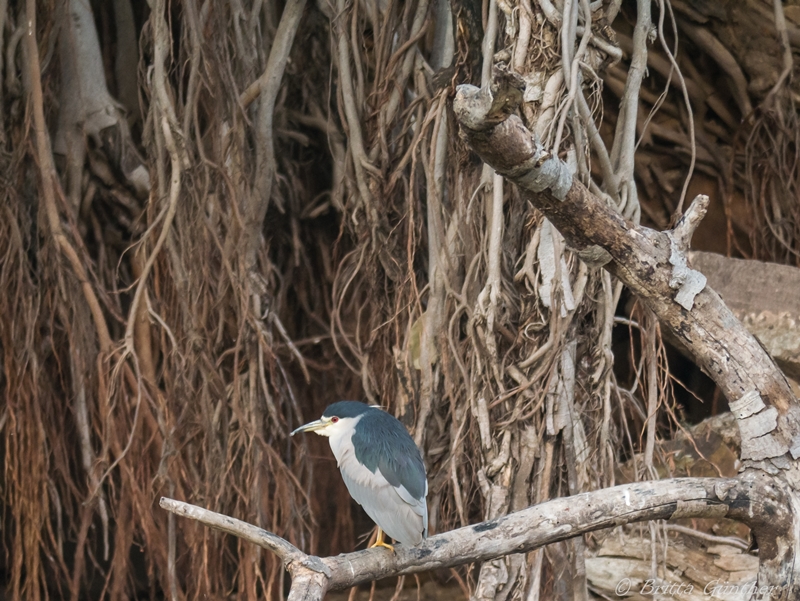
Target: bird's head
<point>336,419</point>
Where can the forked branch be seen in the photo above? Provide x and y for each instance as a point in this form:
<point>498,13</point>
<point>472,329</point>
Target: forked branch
<point>743,499</point>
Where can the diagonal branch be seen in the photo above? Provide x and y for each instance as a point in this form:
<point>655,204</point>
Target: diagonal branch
<point>285,550</point>
<point>652,264</point>
<point>749,500</point>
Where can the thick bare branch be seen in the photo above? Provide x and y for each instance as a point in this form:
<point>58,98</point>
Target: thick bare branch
<point>654,265</point>
<point>746,499</point>
<point>651,263</point>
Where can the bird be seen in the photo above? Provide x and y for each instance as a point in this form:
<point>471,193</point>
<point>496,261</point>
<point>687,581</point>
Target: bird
<point>381,466</point>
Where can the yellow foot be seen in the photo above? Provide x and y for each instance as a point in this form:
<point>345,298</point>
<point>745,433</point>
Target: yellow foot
<point>379,542</point>
<point>383,544</point>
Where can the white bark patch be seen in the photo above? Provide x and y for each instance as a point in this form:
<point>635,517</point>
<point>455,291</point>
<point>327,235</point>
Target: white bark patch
<point>494,574</point>
<point>687,281</point>
<point>759,424</point>
<point>546,253</point>
<point>550,97</point>
<point>534,86</point>
<point>764,447</point>
<point>481,413</point>
<point>795,450</point>
<point>547,264</point>
<point>557,412</point>
<point>561,395</point>
<point>549,173</point>
<point>471,105</point>
<point>749,404</point>
<point>756,422</point>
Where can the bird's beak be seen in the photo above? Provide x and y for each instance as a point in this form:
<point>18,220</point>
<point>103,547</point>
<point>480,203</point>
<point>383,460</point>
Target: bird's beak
<point>311,426</point>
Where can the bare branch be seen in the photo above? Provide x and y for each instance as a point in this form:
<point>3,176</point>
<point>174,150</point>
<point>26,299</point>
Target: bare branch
<point>684,229</point>
<point>258,536</point>
<point>649,262</point>
<point>746,499</point>
<point>534,527</point>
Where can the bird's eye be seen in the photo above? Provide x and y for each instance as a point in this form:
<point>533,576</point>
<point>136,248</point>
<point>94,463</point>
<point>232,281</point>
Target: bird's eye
<point>334,420</point>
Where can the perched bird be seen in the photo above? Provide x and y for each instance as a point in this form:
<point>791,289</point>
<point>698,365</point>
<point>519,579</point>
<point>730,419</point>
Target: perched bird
<point>381,467</point>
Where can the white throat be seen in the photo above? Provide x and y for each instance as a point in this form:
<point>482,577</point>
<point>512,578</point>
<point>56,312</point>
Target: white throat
<point>340,436</point>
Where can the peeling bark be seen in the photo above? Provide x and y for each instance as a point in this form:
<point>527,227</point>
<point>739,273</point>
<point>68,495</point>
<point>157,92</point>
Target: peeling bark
<point>642,258</point>
<point>221,384</point>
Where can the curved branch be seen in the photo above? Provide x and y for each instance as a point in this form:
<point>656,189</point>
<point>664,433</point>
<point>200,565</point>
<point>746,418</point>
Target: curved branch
<point>653,264</point>
<point>745,499</point>
<point>285,550</point>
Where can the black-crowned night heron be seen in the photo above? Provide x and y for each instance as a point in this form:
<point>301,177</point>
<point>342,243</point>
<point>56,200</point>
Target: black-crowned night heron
<point>381,467</point>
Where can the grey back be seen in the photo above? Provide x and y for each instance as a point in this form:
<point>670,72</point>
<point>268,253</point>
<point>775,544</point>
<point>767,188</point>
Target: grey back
<point>382,442</point>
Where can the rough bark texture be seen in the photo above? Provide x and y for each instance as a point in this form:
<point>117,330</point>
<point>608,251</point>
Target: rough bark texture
<point>518,532</point>
<point>648,262</point>
<point>750,499</point>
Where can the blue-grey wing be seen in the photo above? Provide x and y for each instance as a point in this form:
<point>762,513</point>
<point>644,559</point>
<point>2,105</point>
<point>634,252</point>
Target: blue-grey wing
<point>394,509</point>
<point>388,465</point>
<point>382,443</point>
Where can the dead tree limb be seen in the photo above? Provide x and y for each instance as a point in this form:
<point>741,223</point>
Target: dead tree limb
<point>654,266</point>
<point>560,519</point>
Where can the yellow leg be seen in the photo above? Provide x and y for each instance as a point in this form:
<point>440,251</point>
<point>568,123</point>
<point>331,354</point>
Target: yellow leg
<point>381,543</point>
